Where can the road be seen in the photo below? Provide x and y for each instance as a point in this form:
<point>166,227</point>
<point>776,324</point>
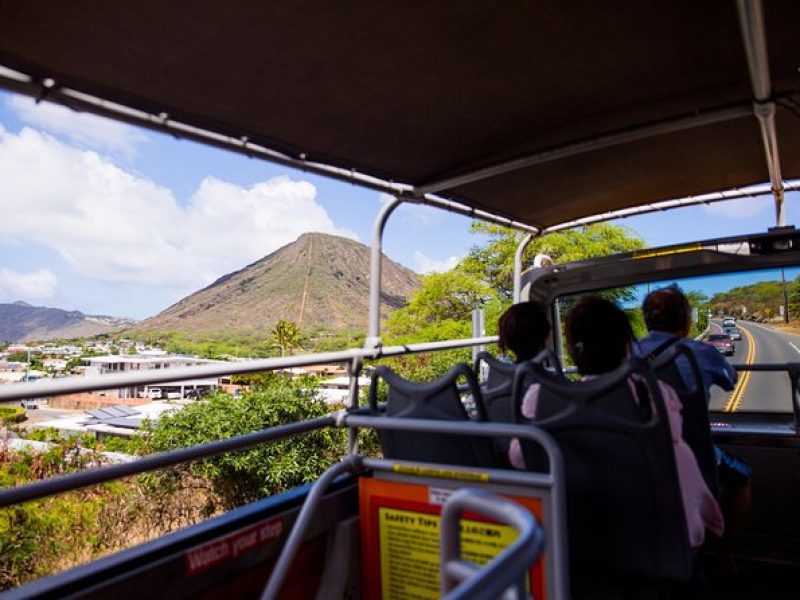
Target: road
<point>759,391</point>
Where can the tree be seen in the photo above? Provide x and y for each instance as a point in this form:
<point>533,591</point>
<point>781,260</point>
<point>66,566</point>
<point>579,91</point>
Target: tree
<point>493,262</point>
<point>698,300</point>
<point>287,336</point>
<point>441,308</point>
<point>241,477</point>
<point>441,299</point>
<point>20,356</point>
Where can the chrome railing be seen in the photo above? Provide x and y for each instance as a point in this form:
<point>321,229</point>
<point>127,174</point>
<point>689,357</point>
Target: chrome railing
<point>505,574</point>
<point>69,385</point>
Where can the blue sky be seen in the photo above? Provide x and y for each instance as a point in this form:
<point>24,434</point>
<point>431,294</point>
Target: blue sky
<point>108,219</point>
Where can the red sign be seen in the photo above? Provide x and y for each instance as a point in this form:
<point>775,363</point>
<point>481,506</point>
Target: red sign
<point>233,545</point>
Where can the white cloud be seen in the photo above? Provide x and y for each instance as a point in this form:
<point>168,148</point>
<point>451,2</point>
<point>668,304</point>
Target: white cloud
<point>37,285</point>
<point>744,208</point>
<point>115,227</point>
<point>84,129</point>
<point>425,264</point>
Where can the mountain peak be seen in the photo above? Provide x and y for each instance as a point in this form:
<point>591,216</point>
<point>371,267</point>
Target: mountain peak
<point>319,280</point>
<point>22,322</point>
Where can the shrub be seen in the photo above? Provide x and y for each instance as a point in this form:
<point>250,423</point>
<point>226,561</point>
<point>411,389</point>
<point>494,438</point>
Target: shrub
<point>245,476</point>
<point>12,414</point>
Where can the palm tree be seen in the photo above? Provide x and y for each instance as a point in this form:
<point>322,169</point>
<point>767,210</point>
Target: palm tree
<point>287,336</point>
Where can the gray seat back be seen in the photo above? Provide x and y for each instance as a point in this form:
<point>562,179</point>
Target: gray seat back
<point>694,406</point>
<point>624,505</point>
<point>439,400</point>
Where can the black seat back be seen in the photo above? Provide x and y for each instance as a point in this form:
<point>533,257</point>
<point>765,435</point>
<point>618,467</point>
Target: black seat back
<point>439,400</point>
<point>496,389</point>
<point>694,406</point>
<point>498,393</point>
<point>624,506</point>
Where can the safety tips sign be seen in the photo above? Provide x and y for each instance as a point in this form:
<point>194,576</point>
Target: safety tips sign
<point>400,534</point>
<point>409,550</point>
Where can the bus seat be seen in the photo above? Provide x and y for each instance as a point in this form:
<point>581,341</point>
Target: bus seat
<point>498,392</point>
<point>624,506</point>
<point>496,389</point>
<point>438,399</point>
<point>694,403</point>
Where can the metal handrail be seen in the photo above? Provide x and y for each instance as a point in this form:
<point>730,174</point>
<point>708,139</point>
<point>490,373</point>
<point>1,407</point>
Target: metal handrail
<point>54,387</point>
<point>552,480</point>
<point>312,501</point>
<point>792,369</point>
<point>461,579</point>
<point>103,474</point>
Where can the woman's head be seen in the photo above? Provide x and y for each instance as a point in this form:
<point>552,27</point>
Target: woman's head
<point>523,329</point>
<point>599,335</point>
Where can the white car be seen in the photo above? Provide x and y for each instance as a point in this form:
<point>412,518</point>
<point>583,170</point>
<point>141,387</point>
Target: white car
<point>728,322</point>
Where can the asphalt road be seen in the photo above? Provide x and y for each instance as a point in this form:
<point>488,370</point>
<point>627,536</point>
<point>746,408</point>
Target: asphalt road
<point>759,391</point>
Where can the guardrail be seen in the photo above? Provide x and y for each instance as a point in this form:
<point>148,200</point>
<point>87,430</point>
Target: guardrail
<point>69,385</point>
<point>553,480</point>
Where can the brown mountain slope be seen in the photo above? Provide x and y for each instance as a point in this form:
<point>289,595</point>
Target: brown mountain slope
<point>318,280</point>
<point>21,322</point>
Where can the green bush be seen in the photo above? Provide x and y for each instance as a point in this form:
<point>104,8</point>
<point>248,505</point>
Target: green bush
<point>245,476</point>
<point>46,536</point>
<point>12,414</point>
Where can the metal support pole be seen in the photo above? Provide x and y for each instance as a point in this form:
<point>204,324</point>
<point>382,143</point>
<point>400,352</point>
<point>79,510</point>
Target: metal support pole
<point>785,297</point>
<point>354,372</point>
<point>478,330</point>
<point>751,20</point>
<point>374,337</point>
<point>518,266</point>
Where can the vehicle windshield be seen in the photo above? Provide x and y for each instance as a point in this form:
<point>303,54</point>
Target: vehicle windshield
<point>766,306</point>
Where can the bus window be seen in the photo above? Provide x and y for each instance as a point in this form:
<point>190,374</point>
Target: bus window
<point>750,317</point>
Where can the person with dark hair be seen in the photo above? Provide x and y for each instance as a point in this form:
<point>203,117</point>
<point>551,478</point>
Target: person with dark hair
<point>667,315</point>
<point>523,329</point>
<point>599,338</point>
<point>598,335</point>
<point>668,318</point>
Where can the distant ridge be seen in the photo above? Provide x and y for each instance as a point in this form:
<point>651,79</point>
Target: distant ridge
<point>319,280</point>
<point>21,322</point>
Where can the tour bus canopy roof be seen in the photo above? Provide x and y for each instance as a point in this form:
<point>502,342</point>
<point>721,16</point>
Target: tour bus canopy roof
<point>544,112</point>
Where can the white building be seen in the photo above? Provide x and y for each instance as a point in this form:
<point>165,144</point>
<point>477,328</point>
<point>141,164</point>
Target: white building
<point>336,389</point>
<point>103,365</point>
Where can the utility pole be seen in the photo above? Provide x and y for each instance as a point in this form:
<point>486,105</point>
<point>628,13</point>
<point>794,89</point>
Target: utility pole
<point>785,298</point>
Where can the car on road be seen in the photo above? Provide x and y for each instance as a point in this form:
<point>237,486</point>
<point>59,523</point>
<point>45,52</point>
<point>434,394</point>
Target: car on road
<point>722,342</point>
<point>734,332</point>
<point>728,321</point>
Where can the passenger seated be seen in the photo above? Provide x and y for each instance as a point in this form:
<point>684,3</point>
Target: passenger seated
<point>599,338</point>
<point>667,315</point>
<point>523,329</point>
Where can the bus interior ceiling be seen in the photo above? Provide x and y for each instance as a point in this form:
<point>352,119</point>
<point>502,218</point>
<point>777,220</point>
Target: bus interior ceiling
<point>685,99</point>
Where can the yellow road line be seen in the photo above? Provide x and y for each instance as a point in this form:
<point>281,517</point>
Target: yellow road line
<point>735,399</point>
